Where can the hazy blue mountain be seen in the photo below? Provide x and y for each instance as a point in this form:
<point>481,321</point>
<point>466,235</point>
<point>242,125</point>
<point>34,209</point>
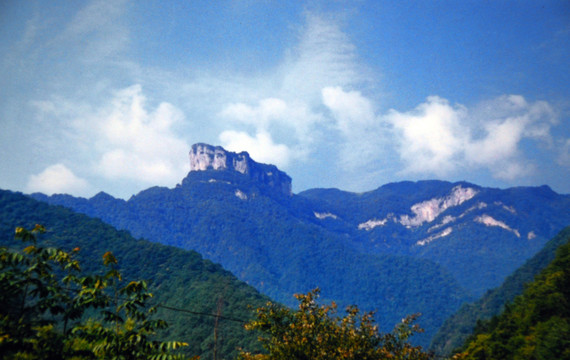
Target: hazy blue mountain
<point>177,278</point>
<point>481,235</point>
<point>272,242</point>
<point>403,248</point>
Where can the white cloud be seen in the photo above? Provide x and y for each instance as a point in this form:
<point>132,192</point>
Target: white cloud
<point>431,137</point>
<point>504,123</point>
<point>512,169</point>
<point>268,110</point>
<point>294,122</point>
<point>57,179</point>
<point>261,147</point>
<point>438,138</point>
<point>325,57</point>
<point>313,107</point>
<point>285,107</point>
<point>352,111</point>
<point>500,142</point>
<point>564,153</point>
<point>124,139</point>
<point>362,136</point>
<point>535,119</point>
<point>137,144</point>
<point>276,116</point>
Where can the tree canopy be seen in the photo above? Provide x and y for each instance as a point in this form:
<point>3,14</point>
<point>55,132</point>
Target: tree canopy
<point>536,325</point>
<point>49,309</point>
<point>316,332</point>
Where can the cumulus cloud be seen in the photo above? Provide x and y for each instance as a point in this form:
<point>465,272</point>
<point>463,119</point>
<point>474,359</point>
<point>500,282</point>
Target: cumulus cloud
<point>138,144</point>
<point>57,179</point>
<point>277,117</point>
<point>293,122</point>
<point>362,136</point>
<point>431,137</point>
<point>504,123</point>
<point>292,115</point>
<point>261,147</point>
<point>314,106</point>
<point>500,142</point>
<point>261,116</point>
<point>351,110</point>
<point>513,169</point>
<point>437,138</point>
<point>274,113</point>
<point>125,138</point>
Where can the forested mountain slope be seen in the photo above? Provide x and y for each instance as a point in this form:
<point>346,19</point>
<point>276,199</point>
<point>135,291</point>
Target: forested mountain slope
<point>481,235</point>
<point>178,278</point>
<point>458,327</point>
<point>272,241</point>
<point>536,325</point>
<point>403,248</point>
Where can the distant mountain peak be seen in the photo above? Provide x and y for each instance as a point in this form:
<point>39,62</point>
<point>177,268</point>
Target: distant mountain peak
<point>208,157</point>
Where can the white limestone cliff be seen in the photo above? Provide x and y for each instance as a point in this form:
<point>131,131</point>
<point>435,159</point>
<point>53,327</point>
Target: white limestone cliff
<point>207,157</point>
<point>371,224</point>
<point>322,216</point>
<point>489,221</point>
<point>426,241</point>
<point>428,210</point>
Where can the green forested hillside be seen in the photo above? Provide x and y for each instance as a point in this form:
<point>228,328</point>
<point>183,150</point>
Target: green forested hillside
<point>519,222</point>
<point>272,242</point>
<point>178,278</point>
<point>407,247</point>
<point>536,325</point>
<point>458,327</point>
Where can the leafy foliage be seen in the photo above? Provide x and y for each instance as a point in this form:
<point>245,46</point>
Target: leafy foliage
<point>178,278</point>
<point>44,295</point>
<point>459,327</point>
<point>315,332</point>
<point>536,325</point>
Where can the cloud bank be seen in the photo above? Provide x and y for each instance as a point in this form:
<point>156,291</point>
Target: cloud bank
<point>57,179</point>
<point>121,121</point>
<point>318,101</point>
<point>437,138</point>
<point>120,141</point>
<point>137,144</point>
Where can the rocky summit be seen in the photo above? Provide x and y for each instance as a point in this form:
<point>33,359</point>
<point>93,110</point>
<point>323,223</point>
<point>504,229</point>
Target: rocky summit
<point>207,157</point>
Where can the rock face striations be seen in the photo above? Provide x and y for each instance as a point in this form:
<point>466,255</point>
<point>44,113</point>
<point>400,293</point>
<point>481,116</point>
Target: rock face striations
<point>207,157</point>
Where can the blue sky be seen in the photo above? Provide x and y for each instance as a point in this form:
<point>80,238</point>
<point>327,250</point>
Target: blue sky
<point>110,95</point>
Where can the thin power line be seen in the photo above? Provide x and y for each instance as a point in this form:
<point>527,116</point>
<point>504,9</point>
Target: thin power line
<point>171,308</point>
<point>201,313</point>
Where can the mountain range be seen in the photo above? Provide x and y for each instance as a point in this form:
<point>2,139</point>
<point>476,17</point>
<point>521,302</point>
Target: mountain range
<point>406,247</point>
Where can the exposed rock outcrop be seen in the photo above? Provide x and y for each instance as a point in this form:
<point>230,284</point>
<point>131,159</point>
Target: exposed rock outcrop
<point>207,157</point>
<point>427,211</point>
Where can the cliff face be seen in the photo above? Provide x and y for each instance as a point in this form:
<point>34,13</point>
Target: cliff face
<point>207,157</point>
